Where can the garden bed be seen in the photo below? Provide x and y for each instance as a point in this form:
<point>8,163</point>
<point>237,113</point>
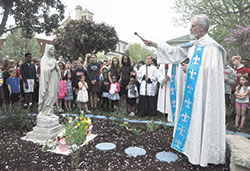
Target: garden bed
<point>17,154</point>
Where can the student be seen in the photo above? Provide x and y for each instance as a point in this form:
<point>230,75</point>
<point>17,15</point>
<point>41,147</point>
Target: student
<point>230,79</point>
<point>1,87</point>
<point>240,70</point>
<point>126,73</point>
<point>104,70</point>
<point>93,72</point>
<point>28,72</point>
<point>82,95</point>
<point>242,100</point>
<point>132,95</point>
<point>69,92</point>
<point>6,75</point>
<point>61,94</point>
<point>114,93</point>
<point>105,85</point>
<point>67,69</point>
<point>13,86</point>
<point>114,69</point>
<point>77,72</point>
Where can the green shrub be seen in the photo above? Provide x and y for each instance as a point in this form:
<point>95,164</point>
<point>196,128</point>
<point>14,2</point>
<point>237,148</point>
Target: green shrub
<point>152,126</point>
<point>16,117</point>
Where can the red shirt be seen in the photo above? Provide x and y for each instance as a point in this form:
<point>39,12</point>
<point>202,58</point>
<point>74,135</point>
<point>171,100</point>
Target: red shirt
<point>241,70</point>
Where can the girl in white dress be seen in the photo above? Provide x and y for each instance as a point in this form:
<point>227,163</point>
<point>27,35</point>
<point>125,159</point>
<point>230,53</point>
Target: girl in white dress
<point>82,95</point>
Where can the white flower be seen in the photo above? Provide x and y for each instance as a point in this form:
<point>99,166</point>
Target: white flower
<point>61,134</point>
<point>70,120</point>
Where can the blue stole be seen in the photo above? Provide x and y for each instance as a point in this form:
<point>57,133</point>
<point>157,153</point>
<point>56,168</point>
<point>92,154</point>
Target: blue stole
<point>173,92</point>
<point>183,123</point>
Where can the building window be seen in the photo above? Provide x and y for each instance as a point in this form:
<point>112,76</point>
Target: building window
<point>124,48</point>
<point>84,17</point>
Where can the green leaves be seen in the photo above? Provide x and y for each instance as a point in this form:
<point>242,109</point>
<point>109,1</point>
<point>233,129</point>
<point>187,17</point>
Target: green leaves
<point>15,117</point>
<point>16,46</point>
<point>33,16</point>
<point>78,38</point>
<point>138,53</point>
<point>152,126</point>
<point>224,15</point>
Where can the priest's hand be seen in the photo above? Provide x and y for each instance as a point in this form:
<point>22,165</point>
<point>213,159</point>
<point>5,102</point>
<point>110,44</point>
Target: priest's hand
<point>150,43</point>
<point>166,79</point>
<point>184,68</point>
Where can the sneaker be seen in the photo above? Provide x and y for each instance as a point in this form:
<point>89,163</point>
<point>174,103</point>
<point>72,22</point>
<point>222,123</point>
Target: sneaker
<point>30,106</point>
<point>60,110</point>
<point>132,114</point>
<point>88,112</point>
<point>25,106</point>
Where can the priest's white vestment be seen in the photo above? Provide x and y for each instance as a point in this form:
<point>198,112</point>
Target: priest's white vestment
<point>205,141</point>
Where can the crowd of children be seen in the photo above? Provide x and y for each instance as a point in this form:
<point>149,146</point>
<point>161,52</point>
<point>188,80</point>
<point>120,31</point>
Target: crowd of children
<point>106,85</point>
<point>237,89</point>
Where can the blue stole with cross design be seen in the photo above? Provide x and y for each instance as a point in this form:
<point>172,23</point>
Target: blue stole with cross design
<point>173,92</point>
<point>183,123</point>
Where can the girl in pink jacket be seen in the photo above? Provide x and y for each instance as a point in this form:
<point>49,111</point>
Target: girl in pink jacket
<point>61,94</point>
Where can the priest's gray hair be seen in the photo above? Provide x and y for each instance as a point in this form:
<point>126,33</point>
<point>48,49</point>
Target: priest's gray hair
<point>204,21</point>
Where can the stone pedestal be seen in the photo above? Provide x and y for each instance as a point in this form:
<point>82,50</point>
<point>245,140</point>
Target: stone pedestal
<point>47,128</point>
<point>239,148</point>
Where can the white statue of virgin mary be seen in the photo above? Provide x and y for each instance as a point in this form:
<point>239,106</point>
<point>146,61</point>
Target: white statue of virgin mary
<point>49,82</point>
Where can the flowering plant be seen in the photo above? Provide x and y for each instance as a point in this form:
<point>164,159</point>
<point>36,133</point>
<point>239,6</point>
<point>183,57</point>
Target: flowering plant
<point>75,130</point>
<point>74,134</point>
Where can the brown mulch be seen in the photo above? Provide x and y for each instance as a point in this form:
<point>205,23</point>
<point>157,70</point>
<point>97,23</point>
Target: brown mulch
<point>17,154</point>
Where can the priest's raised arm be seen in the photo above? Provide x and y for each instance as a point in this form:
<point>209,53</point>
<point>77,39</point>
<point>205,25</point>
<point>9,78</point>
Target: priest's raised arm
<point>167,54</point>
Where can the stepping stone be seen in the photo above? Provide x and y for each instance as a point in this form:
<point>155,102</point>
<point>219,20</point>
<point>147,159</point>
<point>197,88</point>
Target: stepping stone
<point>135,151</point>
<point>105,146</point>
<point>167,156</point>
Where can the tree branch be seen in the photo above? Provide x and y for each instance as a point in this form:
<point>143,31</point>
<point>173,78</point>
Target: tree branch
<point>225,4</point>
<point>216,12</point>
<point>239,11</point>
<point>4,20</point>
<point>13,28</point>
<point>236,4</point>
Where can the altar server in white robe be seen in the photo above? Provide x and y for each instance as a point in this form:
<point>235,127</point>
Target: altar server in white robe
<point>200,126</point>
<point>163,101</point>
<point>147,76</point>
<point>168,91</point>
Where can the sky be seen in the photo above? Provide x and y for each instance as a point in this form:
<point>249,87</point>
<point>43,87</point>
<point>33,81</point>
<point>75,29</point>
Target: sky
<point>151,19</point>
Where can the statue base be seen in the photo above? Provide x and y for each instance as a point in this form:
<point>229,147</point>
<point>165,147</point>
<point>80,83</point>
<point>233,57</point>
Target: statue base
<point>47,128</point>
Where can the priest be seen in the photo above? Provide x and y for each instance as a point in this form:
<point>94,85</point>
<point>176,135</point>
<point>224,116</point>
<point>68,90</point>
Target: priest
<point>200,126</point>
